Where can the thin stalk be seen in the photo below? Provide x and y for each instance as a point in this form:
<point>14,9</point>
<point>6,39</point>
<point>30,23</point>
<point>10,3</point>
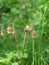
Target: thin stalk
<point>41,58</point>
<point>39,54</point>
<point>18,50</point>
<point>35,59</point>
<point>15,36</point>
<point>24,42</point>
<point>33,53</point>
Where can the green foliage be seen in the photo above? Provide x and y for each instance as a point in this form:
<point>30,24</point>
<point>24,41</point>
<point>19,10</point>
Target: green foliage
<point>24,12</point>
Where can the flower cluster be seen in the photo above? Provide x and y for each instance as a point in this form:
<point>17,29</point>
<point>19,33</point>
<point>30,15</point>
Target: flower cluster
<point>29,29</point>
<point>9,30</point>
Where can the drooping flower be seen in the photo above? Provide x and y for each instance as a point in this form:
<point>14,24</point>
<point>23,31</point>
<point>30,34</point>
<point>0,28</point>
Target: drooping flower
<point>27,28</point>
<point>34,34</point>
<point>9,29</point>
<point>2,32</point>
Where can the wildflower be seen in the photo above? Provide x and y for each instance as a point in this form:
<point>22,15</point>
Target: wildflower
<point>9,30</point>
<point>27,28</point>
<point>34,34</point>
<point>2,32</point>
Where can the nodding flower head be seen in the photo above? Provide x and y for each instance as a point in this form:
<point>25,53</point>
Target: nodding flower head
<point>9,30</point>
<point>27,28</point>
<point>34,34</point>
<point>2,32</point>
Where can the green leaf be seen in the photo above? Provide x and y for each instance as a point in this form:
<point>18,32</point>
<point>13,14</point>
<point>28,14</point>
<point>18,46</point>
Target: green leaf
<point>16,63</point>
